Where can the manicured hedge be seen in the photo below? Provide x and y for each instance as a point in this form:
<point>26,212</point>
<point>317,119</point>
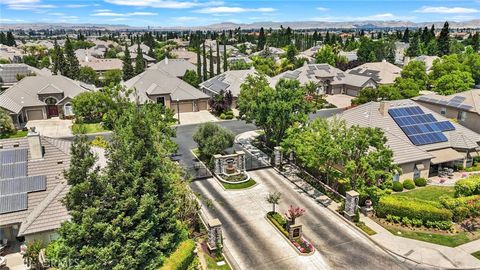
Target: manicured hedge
<point>182,257</point>
<point>467,187</point>
<point>397,186</point>
<point>408,184</point>
<point>420,182</point>
<point>411,208</point>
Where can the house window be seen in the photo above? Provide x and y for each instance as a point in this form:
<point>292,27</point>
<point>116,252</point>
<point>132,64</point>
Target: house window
<point>462,116</point>
<point>416,173</point>
<point>68,110</point>
<point>443,111</point>
<point>396,177</point>
<point>161,100</point>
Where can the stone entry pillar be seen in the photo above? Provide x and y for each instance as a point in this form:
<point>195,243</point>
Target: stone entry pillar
<point>295,232</point>
<point>241,161</point>
<point>215,238</point>
<point>278,156</point>
<point>351,203</point>
<point>222,163</point>
<point>218,164</point>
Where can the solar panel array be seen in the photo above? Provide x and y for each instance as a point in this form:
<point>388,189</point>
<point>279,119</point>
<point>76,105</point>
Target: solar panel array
<point>420,128</point>
<point>14,182</point>
<point>455,102</point>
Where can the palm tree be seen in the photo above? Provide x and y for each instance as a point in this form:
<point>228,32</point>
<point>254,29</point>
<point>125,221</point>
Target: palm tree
<point>274,198</point>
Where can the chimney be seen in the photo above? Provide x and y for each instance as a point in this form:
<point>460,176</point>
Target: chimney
<point>34,144</point>
<point>384,106</point>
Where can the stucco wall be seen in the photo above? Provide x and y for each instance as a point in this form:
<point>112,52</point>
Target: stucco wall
<point>472,120</point>
<point>44,237</point>
<point>407,170</point>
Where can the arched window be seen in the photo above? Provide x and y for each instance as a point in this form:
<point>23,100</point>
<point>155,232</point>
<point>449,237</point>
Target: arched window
<point>50,101</point>
<point>67,109</point>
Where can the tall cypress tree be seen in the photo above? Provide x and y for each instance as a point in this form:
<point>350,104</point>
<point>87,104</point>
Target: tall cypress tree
<point>261,39</point>
<point>10,40</point>
<point>225,62</point>
<point>199,64</point>
<point>139,63</point>
<point>210,54</point>
<point>476,41</point>
<point>58,59</point>
<point>3,38</point>
<point>73,66</point>
<point>444,40</point>
<point>205,74</point>
<point>128,72</point>
<point>218,57</point>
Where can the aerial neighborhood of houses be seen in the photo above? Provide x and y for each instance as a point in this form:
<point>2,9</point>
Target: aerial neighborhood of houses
<point>261,148</point>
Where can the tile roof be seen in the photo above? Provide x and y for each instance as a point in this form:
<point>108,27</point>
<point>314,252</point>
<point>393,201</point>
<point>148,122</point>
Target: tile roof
<point>368,115</point>
<point>465,101</point>
<point>174,67</point>
<point>382,72</point>
<point>229,80</point>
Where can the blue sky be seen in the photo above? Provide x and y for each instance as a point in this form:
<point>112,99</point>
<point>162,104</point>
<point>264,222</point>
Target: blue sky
<point>204,12</point>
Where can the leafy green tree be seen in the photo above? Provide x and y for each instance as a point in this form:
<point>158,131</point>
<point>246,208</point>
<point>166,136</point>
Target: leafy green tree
<point>417,71</point>
<point>113,76</point>
<point>290,53</point>
<point>191,78</point>
<point>273,109</point>
<point>265,65</point>
<point>455,82</point>
<point>476,42</point>
<point>139,62</point>
<point>444,40</point>
<point>6,123</point>
<point>432,48</point>
<point>408,88</point>
<point>382,92</point>
<point>239,65</point>
<point>91,106</point>
<point>127,69</point>
<point>72,64</point>
<point>221,102</point>
<point>273,198</point>
<point>88,75</point>
<point>142,225</point>
<point>111,53</point>
<point>212,139</point>
<point>472,61</point>
<point>326,55</point>
<point>414,49</point>
<point>446,65</point>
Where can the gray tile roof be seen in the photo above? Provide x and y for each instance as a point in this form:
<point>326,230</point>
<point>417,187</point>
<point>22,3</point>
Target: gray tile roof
<point>158,82</point>
<point>25,93</point>
<point>44,210</point>
<point>382,72</point>
<point>230,80</point>
<point>174,67</point>
<point>466,101</point>
<point>368,115</point>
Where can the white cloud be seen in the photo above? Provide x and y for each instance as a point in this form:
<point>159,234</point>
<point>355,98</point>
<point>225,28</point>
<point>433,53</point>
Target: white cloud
<point>76,6</point>
<point>375,17</point>
<point>24,6</point>
<point>5,20</point>
<point>233,10</point>
<point>173,4</point>
<point>322,8</point>
<point>186,19</point>
<point>101,10</point>
<point>446,10</point>
<point>113,14</point>
<point>56,13</point>
<point>12,2</point>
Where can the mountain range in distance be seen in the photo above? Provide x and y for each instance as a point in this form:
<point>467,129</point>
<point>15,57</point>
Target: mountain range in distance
<point>475,24</point>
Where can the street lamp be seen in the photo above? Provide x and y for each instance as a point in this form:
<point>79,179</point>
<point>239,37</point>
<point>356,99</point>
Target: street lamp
<point>178,111</point>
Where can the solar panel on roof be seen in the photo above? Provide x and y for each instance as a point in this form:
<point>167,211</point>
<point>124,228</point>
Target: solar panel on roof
<point>13,155</point>
<point>465,107</point>
<point>13,170</point>
<point>13,203</point>
<point>23,185</point>
<point>457,99</point>
<point>420,128</point>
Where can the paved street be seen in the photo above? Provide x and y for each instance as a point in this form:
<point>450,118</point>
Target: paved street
<point>242,213</point>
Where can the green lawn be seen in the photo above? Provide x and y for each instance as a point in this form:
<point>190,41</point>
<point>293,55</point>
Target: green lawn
<point>449,240</point>
<point>212,264</point>
<point>365,228</point>
<point>428,193</point>
<point>18,134</point>
<point>476,254</point>
<point>243,185</point>
<point>89,128</point>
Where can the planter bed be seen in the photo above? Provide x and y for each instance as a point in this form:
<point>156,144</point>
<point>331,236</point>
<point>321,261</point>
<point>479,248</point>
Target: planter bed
<point>303,247</point>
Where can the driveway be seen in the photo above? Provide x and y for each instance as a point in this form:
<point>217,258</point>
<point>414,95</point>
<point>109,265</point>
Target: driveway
<point>257,247</point>
<point>340,100</point>
<point>53,127</point>
<point>189,118</point>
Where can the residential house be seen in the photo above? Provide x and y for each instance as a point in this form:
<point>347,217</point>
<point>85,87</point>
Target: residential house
<point>12,54</point>
<point>134,47</point>
<point>463,106</point>
<point>101,65</point>
<point>330,80</point>
<point>422,140</point>
<point>381,72</point>
<point>32,186</point>
<point>426,59</point>
<point>41,97</point>
<point>159,86</point>
<point>10,73</point>
<point>185,54</point>
<point>174,67</point>
<point>147,60</point>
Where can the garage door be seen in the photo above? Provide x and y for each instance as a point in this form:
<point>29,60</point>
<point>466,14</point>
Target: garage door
<point>202,105</point>
<point>352,92</point>
<point>34,115</point>
<point>186,106</point>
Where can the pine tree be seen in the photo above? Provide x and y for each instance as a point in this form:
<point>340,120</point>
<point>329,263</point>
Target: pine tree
<point>205,74</point>
<point>10,39</point>
<point>443,42</point>
<point>218,58</point>
<point>225,62</point>
<point>58,60</point>
<point>406,35</point>
<point>3,38</point>
<point>139,63</point>
<point>128,71</point>
<point>414,49</point>
<point>476,41</point>
<point>71,60</point>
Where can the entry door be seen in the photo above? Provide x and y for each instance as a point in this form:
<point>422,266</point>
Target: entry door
<point>52,110</point>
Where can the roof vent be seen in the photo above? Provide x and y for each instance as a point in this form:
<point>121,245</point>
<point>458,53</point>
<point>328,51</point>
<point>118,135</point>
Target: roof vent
<point>16,144</point>
<point>59,161</point>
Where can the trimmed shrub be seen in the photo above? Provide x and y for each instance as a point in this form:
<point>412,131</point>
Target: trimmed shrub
<point>420,182</point>
<point>417,222</point>
<point>408,184</point>
<point>467,187</point>
<point>182,257</point>
<point>397,186</point>
<point>460,213</point>
<point>406,221</point>
<point>411,208</point>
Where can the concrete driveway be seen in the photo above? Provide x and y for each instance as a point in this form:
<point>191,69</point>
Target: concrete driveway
<point>340,100</point>
<point>189,118</point>
<point>257,246</point>
<point>53,127</point>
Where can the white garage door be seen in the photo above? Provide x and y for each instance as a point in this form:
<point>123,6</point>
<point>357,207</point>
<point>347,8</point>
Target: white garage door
<point>352,92</point>
<point>34,115</point>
